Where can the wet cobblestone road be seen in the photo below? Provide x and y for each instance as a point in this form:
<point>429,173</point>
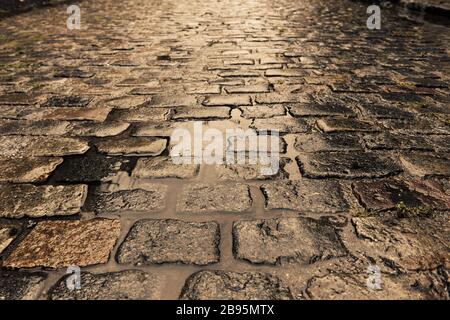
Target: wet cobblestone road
<point>87,180</point>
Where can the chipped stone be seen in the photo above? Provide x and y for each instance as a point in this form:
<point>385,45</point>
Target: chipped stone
<point>133,146</point>
<point>163,167</point>
<point>25,170</point>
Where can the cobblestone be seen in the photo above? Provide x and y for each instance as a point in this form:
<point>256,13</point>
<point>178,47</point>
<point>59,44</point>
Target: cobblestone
<point>124,285</point>
<point>197,198</point>
<point>171,241</point>
<point>305,195</point>
<point>86,124</point>
<point>285,240</point>
<point>39,201</point>
<point>57,244</point>
<point>220,285</point>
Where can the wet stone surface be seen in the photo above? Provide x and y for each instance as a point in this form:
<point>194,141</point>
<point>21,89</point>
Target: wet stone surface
<point>171,241</point>
<point>87,119</point>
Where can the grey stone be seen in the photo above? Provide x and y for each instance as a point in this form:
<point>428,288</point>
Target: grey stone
<point>286,240</point>
<point>222,285</point>
<point>171,241</point>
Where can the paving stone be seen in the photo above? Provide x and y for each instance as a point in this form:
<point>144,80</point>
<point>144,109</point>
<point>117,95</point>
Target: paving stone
<point>92,129</point>
<point>222,285</point>
<point>263,111</point>
<point>8,232</point>
<point>151,198</point>
<point>35,146</point>
<point>91,167</point>
<point>316,142</point>
<point>97,114</point>
<point>285,73</point>
<point>21,285</point>
<point>163,167</point>
<point>280,124</point>
<point>302,110</point>
<point>386,111</point>
<point>254,88</point>
<point>348,286</point>
<point>257,171</point>
<point>67,101</point>
<point>25,170</point>
<point>40,127</point>
<point>345,124</point>
<point>39,201</point>
<point>286,240</point>
<point>387,194</point>
<point>277,98</point>
<point>421,126</point>
<point>58,244</point>
<point>127,102</point>
<point>305,195</point>
<point>133,146</point>
<point>203,113</point>
<point>73,73</point>
<point>57,128</point>
<point>202,197</point>
<point>145,114</point>
<point>409,244</point>
<point>426,164</point>
<point>159,129</point>
<point>171,241</point>
<point>395,141</point>
<point>356,164</point>
<point>231,100</point>
<point>123,285</point>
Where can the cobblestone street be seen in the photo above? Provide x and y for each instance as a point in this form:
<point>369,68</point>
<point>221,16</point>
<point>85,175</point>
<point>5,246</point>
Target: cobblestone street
<point>87,180</point>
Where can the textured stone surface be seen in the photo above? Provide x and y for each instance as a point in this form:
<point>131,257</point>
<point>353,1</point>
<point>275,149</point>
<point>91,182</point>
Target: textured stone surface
<point>304,196</point>
<point>425,164</point>
<point>20,285</point>
<point>39,201</point>
<point>285,240</point>
<point>202,197</point>
<point>355,164</point>
<point>171,241</point>
<point>58,244</point>
<point>409,243</point>
<point>8,233</point>
<point>315,142</point>
<point>345,124</point>
<point>133,146</point>
<point>150,199</point>
<point>221,285</point>
<point>163,167</point>
<point>26,146</point>
<point>123,285</point>
<point>362,114</point>
<point>347,286</point>
<point>388,194</point>
<point>23,170</point>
